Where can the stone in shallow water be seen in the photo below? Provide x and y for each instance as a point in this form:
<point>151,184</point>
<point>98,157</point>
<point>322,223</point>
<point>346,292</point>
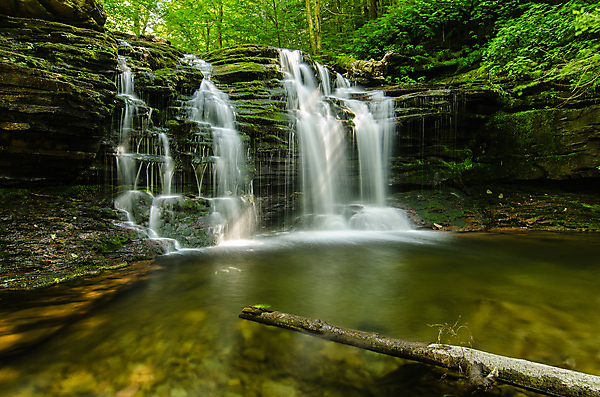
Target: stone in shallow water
<point>178,392</point>
<point>271,388</point>
<point>79,382</point>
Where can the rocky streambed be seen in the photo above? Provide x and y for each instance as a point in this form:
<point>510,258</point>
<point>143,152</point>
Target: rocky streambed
<point>51,235</point>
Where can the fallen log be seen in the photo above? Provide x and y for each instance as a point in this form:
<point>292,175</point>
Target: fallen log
<point>483,368</point>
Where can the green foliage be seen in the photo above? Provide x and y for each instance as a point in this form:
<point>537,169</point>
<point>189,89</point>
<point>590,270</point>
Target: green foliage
<point>512,39</point>
<point>446,33</point>
<point>262,306</point>
<point>131,16</point>
<point>199,26</point>
<point>549,42</point>
<point>417,24</point>
<point>587,20</point>
<point>377,37</point>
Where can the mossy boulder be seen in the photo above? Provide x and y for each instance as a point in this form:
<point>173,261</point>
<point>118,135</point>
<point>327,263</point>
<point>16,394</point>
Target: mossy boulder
<point>549,142</point>
<point>244,63</point>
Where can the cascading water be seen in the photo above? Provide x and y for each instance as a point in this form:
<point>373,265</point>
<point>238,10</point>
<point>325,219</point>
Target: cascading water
<point>321,140</point>
<point>141,156</point>
<point>325,151</point>
<point>146,169</point>
<point>233,204</point>
<point>332,154</point>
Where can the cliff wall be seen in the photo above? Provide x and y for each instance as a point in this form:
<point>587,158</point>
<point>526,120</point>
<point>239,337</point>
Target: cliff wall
<point>58,111</point>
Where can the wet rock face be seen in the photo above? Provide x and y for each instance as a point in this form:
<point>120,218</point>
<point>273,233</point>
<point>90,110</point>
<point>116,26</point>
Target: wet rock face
<point>82,13</point>
<point>544,135</point>
<point>56,97</point>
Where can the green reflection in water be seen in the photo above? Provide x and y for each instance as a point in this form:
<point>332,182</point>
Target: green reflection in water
<point>528,296</point>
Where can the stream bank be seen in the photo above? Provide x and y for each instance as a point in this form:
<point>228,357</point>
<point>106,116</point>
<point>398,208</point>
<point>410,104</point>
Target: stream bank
<point>52,235</point>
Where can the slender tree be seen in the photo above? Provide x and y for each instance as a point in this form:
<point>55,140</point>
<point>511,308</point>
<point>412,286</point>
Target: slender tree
<point>373,9</point>
<point>276,23</point>
<point>318,26</point>
<point>311,27</point>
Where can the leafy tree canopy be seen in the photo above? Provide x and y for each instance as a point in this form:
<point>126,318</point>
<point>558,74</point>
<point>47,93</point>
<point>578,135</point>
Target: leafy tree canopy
<point>509,39</point>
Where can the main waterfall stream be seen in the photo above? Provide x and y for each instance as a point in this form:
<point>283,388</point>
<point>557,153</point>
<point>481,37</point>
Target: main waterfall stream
<point>331,199</point>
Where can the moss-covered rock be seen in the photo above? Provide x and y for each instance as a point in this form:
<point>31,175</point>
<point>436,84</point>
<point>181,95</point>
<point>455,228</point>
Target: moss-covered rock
<point>244,63</point>
<point>243,53</point>
<point>56,99</point>
<point>548,143</point>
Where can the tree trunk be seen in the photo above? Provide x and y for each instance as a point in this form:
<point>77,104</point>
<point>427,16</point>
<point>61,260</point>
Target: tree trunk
<point>517,372</point>
<point>311,27</point>
<point>136,21</point>
<point>207,36</point>
<point>373,9</point>
<point>276,21</point>
<point>318,29</point>
<point>220,27</point>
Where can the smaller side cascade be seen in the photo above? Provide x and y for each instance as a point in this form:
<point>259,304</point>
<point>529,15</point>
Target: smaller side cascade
<point>205,142</point>
<point>233,201</point>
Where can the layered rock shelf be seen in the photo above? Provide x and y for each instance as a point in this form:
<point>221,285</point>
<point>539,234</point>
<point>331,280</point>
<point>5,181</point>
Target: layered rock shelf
<point>57,95</point>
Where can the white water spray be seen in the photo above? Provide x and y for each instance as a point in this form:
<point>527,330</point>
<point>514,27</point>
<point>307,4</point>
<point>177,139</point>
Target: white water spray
<point>324,148</point>
<point>234,202</point>
<point>141,156</point>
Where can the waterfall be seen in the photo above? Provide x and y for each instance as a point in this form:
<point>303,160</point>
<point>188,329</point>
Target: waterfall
<point>234,202</point>
<point>340,136</point>
<point>325,148</point>
<point>145,169</point>
<point>143,157</point>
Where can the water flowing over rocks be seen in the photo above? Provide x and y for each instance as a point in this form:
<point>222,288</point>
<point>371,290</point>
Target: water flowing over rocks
<point>65,77</point>
<point>60,114</point>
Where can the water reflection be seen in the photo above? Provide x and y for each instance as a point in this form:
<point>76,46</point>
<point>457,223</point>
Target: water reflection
<point>525,296</point>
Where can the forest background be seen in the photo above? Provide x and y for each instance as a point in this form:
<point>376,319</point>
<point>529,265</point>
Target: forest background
<point>483,40</point>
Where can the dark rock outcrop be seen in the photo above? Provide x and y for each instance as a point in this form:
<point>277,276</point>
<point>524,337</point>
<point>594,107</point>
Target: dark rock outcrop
<point>540,134</point>
<point>82,13</point>
<point>57,93</point>
<point>454,135</point>
<point>435,129</point>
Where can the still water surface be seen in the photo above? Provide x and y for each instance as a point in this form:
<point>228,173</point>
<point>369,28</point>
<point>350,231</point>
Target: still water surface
<point>178,334</point>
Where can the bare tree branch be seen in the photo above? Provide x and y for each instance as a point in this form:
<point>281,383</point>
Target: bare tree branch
<point>483,368</point>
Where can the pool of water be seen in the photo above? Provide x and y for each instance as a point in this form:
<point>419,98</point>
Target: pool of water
<point>533,296</point>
